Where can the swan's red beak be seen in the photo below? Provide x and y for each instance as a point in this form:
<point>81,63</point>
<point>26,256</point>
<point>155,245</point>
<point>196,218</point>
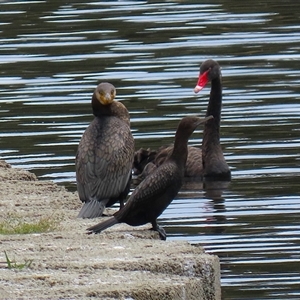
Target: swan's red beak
<point>202,81</point>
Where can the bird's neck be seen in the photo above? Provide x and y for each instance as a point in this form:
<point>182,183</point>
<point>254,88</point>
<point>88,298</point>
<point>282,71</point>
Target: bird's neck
<point>100,109</point>
<point>211,133</point>
<point>114,109</point>
<point>215,101</point>
<point>180,150</point>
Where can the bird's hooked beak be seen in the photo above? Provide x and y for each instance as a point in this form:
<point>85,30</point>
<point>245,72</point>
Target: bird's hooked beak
<point>105,98</point>
<point>204,120</point>
<point>202,81</point>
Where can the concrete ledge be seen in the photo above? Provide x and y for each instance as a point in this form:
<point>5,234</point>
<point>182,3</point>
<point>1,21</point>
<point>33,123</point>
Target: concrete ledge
<point>121,263</point>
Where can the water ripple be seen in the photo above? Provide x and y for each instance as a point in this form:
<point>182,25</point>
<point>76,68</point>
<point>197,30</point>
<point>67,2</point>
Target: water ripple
<point>52,60</point>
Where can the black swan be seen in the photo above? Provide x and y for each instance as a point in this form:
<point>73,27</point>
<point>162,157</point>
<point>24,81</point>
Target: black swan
<point>208,162</point>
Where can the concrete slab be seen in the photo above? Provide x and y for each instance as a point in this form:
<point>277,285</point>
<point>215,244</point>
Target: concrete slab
<point>121,263</point>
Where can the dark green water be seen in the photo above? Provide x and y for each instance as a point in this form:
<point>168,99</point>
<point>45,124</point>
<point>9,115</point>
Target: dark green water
<point>54,53</point>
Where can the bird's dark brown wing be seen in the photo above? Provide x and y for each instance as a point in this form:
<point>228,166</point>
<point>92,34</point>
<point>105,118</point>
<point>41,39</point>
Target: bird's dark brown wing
<point>155,192</point>
<point>104,159</point>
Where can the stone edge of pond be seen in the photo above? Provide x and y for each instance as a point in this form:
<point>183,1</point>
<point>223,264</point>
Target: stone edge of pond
<point>121,263</point>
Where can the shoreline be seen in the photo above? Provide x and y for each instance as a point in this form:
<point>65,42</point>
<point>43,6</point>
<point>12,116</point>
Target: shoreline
<point>123,262</point>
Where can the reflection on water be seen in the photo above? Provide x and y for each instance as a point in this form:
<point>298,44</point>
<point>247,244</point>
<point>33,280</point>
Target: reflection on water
<point>53,54</point>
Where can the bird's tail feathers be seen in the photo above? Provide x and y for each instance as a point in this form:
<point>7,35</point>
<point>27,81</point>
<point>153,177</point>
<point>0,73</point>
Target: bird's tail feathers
<point>92,209</point>
<point>102,225</point>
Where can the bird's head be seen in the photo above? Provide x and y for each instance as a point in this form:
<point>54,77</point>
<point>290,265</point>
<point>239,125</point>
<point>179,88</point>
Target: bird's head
<point>209,70</point>
<point>105,93</point>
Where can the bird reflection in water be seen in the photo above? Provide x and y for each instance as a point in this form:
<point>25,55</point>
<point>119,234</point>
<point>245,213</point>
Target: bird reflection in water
<point>213,191</point>
<point>199,209</point>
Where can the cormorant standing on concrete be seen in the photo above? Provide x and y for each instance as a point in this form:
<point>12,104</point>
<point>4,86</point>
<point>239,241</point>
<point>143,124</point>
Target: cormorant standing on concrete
<point>105,154</point>
<point>153,195</point>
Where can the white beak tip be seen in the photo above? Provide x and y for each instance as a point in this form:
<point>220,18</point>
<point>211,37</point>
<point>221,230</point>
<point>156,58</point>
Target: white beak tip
<point>197,89</point>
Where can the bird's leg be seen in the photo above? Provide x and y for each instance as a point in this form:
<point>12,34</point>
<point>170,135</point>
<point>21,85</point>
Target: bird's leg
<point>121,203</point>
<point>160,230</point>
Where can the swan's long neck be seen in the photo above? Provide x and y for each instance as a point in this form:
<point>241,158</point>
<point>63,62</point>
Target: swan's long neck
<point>212,154</point>
<point>211,132</point>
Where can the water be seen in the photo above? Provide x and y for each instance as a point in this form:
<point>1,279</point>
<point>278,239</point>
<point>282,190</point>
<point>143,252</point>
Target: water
<point>53,54</point>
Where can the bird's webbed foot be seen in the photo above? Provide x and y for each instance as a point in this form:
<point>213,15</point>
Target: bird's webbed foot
<point>160,230</point>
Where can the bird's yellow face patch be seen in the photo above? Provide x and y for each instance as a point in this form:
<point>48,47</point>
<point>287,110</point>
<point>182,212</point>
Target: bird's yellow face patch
<point>105,97</point>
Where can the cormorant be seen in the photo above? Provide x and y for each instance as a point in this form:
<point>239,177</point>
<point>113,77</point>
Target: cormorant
<point>153,195</point>
<point>105,154</point>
